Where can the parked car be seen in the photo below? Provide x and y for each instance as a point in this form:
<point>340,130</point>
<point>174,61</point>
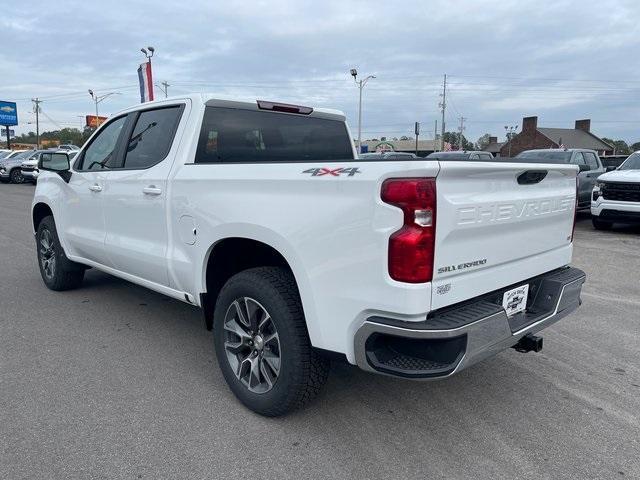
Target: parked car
<point>587,160</point>
<point>13,153</point>
<point>4,153</point>
<point>616,195</point>
<point>10,166</point>
<point>68,147</point>
<point>263,215</point>
<point>461,156</point>
<point>387,156</point>
<point>29,168</point>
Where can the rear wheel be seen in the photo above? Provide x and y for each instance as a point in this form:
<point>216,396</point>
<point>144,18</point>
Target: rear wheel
<point>57,271</point>
<point>600,224</point>
<point>262,344</point>
<point>16,176</point>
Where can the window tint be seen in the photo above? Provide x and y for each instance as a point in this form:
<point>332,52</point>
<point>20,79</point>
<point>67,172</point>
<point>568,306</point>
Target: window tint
<point>152,137</point>
<point>540,156</point>
<point>578,159</point>
<point>102,151</point>
<point>235,135</point>
<point>591,160</point>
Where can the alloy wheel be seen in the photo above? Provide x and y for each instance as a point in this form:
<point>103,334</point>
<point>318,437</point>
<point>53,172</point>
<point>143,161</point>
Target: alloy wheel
<point>16,176</point>
<point>252,344</point>
<point>47,253</point>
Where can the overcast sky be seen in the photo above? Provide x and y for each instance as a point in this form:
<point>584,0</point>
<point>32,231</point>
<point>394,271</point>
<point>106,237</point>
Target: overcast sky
<point>560,60</point>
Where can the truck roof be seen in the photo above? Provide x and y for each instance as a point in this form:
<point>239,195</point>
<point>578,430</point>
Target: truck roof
<point>211,99</point>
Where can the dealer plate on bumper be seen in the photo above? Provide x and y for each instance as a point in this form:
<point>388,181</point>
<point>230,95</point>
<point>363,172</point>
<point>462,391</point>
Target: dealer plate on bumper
<point>515,300</point>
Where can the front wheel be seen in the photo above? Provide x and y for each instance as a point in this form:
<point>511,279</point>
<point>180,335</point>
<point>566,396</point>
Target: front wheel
<point>600,224</point>
<point>262,343</point>
<point>16,176</point>
<point>57,271</point>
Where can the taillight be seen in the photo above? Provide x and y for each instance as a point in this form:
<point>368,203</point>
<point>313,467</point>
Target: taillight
<point>411,249</point>
<point>575,211</point>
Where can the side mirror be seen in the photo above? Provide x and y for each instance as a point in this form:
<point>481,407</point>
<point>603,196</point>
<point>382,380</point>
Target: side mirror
<point>584,168</point>
<point>611,168</point>
<point>56,162</point>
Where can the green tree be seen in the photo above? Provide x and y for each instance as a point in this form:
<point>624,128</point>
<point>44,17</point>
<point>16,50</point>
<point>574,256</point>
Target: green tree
<point>620,146</point>
<point>453,138</point>
<point>483,141</point>
<point>635,146</point>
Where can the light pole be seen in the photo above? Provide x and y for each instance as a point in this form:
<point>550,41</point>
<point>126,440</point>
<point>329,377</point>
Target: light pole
<point>510,132</point>
<point>99,98</point>
<point>148,52</point>
<point>360,84</point>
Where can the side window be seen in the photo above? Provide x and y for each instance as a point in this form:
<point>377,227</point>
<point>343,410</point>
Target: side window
<point>474,156</point>
<point>101,153</point>
<point>152,137</point>
<point>591,159</point>
<point>578,159</point>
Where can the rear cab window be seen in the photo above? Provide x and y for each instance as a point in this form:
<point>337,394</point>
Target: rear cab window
<point>232,135</point>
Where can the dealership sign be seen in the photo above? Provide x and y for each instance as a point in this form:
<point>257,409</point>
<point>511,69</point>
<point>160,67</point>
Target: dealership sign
<point>94,122</point>
<point>8,113</point>
<point>3,132</point>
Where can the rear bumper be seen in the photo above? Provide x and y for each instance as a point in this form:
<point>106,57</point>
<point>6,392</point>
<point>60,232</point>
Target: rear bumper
<point>454,338</point>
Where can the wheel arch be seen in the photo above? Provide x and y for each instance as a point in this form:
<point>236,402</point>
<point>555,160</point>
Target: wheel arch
<point>38,213</point>
<point>232,254</point>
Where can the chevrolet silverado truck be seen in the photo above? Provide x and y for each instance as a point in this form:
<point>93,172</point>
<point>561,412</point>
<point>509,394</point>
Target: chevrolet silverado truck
<point>616,195</point>
<point>298,252</point>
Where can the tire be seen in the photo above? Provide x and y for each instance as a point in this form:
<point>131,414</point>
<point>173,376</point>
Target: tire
<point>15,176</point>
<point>281,340</point>
<point>57,271</point>
<point>600,224</point>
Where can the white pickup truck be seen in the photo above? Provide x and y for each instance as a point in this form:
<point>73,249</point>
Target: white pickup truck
<point>297,251</point>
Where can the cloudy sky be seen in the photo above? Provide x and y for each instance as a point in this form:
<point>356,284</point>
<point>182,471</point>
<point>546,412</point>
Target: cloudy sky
<point>560,60</point>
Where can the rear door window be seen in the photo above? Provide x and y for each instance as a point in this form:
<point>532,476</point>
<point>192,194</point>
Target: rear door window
<point>591,160</point>
<point>578,159</point>
<point>232,135</point>
<point>152,137</point>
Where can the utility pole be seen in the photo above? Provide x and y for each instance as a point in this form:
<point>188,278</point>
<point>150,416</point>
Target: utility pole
<point>165,89</point>
<point>417,132</point>
<point>443,106</point>
<point>461,128</point>
<point>36,110</point>
<point>435,136</point>
<point>360,84</point>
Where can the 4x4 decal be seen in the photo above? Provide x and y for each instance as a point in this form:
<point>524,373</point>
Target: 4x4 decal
<point>332,172</point>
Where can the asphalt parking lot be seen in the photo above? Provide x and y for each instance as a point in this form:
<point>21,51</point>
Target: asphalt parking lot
<point>115,381</point>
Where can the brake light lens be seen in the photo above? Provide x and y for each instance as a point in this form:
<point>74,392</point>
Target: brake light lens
<point>284,107</point>
<point>411,249</point>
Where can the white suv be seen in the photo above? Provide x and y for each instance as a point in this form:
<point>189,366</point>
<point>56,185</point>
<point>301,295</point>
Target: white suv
<point>616,195</point>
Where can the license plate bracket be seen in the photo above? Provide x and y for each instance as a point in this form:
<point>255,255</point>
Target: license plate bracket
<point>514,301</point>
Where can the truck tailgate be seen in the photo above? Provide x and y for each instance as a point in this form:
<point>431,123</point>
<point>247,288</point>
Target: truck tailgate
<point>498,224</point>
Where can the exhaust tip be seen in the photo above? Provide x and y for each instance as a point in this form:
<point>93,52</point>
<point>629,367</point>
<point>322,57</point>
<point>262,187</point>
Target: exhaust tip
<point>528,343</point>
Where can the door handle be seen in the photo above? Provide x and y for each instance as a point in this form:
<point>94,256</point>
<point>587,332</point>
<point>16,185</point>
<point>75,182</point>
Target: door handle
<point>151,190</point>
<point>95,188</point>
